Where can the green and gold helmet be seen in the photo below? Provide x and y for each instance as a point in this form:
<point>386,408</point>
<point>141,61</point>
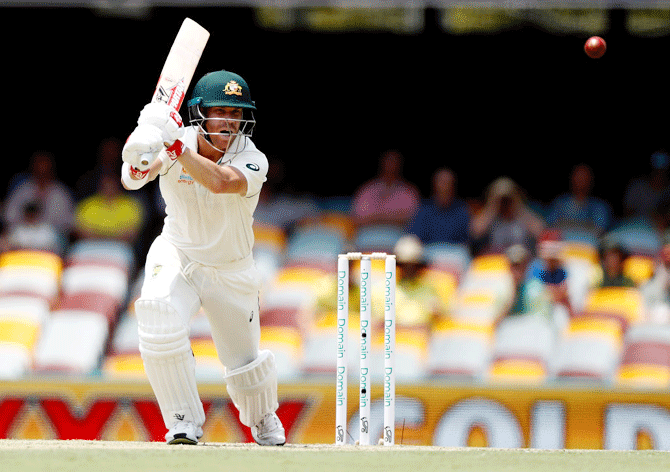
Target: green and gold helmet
<point>221,89</point>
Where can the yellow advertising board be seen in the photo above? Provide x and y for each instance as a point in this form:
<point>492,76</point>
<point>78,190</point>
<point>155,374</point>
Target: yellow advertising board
<point>570,417</point>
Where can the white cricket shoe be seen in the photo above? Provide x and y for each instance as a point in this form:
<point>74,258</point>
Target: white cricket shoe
<point>269,431</point>
<point>184,432</point>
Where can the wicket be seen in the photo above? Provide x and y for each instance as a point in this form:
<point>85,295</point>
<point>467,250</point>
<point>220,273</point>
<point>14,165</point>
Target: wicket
<point>365,352</point>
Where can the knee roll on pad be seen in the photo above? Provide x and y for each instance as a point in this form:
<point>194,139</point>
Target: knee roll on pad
<point>253,388</point>
<point>168,361</point>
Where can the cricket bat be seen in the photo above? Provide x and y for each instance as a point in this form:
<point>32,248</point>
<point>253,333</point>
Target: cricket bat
<point>180,66</point>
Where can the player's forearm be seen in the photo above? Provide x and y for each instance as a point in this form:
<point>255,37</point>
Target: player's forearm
<point>215,178</point>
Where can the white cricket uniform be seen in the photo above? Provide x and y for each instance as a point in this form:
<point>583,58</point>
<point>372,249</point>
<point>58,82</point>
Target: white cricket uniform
<point>203,257</point>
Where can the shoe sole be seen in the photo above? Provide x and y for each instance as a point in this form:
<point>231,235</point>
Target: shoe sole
<point>183,440</point>
<point>280,444</point>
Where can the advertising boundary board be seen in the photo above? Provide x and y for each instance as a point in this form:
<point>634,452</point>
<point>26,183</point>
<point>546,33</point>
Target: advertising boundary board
<point>572,417</point>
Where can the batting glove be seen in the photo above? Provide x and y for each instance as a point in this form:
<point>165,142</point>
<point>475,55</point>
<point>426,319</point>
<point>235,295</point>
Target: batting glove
<point>142,147</point>
<point>165,118</point>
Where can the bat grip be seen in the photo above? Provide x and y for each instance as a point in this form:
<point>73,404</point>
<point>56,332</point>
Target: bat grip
<point>146,158</point>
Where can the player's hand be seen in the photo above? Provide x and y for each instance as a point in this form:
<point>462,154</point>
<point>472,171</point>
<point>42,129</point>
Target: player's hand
<point>165,118</point>
<point>143,146</point>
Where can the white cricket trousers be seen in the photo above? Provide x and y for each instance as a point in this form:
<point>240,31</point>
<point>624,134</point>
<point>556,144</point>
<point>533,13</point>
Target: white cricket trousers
<point>229,297</point>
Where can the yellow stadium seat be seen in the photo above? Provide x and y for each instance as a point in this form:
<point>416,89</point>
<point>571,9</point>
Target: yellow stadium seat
<point>459,348</point>
<point>42,260</point>
<point>272,236</point>
<point>590,349</point>
<point>19,331</point>
<point>285,342</point>
<point>445,284</point>
<point>644,376</point>
<point>490,263</point>
<point>573,250</point>
<point>124,366</point>
<point>622,303</point>
<point>639,268</point>
<point>517,371</point>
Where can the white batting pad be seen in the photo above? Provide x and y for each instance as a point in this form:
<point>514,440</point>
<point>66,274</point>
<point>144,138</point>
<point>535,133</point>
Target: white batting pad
<point>169,362</point>
<point>253,388</point>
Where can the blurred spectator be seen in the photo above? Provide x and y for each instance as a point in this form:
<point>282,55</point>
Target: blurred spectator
<point>579,208</point>
<point>613,255</point>
<point>110,213</point>
<point>42,185</point>
<point>32,232</point>
<point>643,194</point>
<point>505,220</point>
<point>550,270</point>
<point>531,296</point>
<point>108,161</point>
<point>656,290</point>
<point>388,198</point>
<point>418,305</point>
<point>444,217</point>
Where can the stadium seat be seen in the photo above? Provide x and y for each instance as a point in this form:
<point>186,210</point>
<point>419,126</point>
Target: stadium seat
<point>319,346</point>
<point>94,288</point>
<point>316,246</point>
<point>584,237</point>
<point>126,366</point>
<point>72,342</point>
<point>377,238</point>
<point>21,319</point>
<point>102,252</point>
<point>523,349</point>
<point>579,251</point>
<point>269,236</point>
<point>459,349</point>
<point>581,274</point>
<point>444,283</point>
<point>638,237</point>
<point>484,290</point>
<point>339,221</point>
<point>123,360</point>
<point>30,273</point>
<point>285,342</point>
<point>269,247</point>
<point>208,367</point>
<point>519,371</point>
<point>452,258</point>
<point>125,338</point>
<point>621,303</point>
<point>108,280</point>
<point>411,354</point>
<point>639,268</point>
<point>489,264</point>
<point>589,350</point>
<point>645,361</point>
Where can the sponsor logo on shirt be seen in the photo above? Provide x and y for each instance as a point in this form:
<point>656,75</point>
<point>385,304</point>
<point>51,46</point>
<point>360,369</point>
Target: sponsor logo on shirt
<point>185,178</point>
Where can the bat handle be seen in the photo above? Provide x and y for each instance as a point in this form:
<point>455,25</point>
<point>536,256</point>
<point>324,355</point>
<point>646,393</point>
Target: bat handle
<point>146,158</point>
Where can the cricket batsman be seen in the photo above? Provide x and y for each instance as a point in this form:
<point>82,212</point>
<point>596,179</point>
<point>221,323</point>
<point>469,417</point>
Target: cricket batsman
<point>211,175</point>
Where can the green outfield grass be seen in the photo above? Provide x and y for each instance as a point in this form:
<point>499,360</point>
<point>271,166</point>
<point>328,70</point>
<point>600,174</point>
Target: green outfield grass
<point>101,456</point>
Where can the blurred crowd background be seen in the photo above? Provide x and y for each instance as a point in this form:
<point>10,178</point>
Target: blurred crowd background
<point>522,185</point>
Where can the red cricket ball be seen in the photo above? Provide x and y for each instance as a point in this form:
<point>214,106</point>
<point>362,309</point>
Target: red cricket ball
<point>595,47</point>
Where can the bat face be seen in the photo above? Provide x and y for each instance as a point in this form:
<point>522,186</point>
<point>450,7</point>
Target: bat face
<point>180,64</point>
<point>179,67</point>
<point>173,96</point>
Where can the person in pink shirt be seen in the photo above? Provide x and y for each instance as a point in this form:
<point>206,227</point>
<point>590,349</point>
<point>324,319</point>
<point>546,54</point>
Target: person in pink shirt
<point>388,198</point>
